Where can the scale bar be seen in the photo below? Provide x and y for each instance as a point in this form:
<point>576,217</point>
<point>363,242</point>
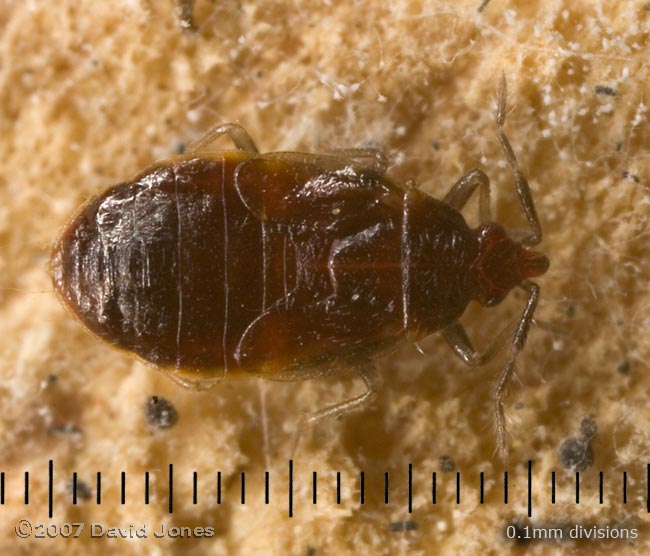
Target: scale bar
<point>77,492</point>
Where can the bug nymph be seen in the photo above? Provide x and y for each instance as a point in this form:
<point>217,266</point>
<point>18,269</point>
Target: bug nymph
<point>286,266</point>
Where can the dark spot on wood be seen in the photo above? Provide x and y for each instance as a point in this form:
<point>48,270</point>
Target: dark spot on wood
<point>588,429</point>
<point>575,454</point>
<point>447,464</point>
<point>624,367</point>
<point>631,177</point>
<point>605,90</point>
<point>160,413</point>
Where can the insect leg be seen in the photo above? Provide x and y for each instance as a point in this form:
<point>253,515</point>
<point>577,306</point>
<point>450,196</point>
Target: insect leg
<point>459,342</point>
<point>521,183</point>
<point>371,378</point>
<point>237,134</point>
<point>518,342</point>
<point>462,190</point>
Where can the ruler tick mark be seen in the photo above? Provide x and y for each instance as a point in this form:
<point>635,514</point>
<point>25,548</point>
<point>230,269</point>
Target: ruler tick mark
<point>171,488</point>
<point>552,487</point>
<point>600,487</point>
<point>123,488</point>
<point>50,487</point>
<point>386,488</point>
<point>338,487</point>
<point>433,487</point>
<point>530,488</point>
<point>243,487</point>
<point>290,488</point>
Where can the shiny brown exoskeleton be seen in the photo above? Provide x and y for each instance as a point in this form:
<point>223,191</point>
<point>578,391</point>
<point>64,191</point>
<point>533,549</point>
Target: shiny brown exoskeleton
<point>288,265</point>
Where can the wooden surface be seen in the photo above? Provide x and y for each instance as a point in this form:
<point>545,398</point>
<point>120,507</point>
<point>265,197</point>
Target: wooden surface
<point>91,93</point>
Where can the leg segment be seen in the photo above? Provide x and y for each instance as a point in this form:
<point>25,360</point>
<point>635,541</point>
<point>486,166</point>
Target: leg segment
<point>457,339</point>
<point>462,190</point>
<point>459,342</point>
<point>518,342</point>
<point>237,134</point>
<point>521,184</point>
<point>371,378</point>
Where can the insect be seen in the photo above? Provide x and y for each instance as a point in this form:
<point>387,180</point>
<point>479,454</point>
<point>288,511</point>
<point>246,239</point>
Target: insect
<point>221,264</point>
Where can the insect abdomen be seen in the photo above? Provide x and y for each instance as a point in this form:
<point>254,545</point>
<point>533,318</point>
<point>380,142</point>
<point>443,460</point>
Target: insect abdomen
<point>166,266</point>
